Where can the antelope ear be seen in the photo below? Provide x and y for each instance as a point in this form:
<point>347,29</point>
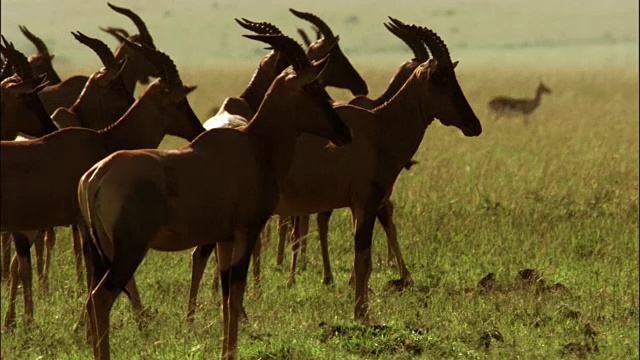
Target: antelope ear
<point>426,69</point>
<point>189,88</point>
<point>455,63</point>
<point>51,56</point>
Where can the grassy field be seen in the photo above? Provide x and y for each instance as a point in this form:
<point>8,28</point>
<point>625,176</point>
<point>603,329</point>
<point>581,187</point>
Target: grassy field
<point>550,209</point>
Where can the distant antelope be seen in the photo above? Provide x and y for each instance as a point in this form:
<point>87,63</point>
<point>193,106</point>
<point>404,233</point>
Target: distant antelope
<point>503,105</point>
<point>172,200</point>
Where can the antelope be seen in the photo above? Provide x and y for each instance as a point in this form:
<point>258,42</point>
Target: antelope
<point>361,175</point>
<point>22,112</point>
<point>137,69</point>
<point>305,38</point>
<point>385,214</point>
<point>341,74</point>
<point>32,172</point>
<point>504,105</point>
<point>134,201</point>
<point>41,61</point>
<point>107,86</point>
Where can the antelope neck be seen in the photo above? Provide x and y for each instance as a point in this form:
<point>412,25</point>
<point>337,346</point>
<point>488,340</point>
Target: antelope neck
<point>404,120</point>
<point>257,88</point>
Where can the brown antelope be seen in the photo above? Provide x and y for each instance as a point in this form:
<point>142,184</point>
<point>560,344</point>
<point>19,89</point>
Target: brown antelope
<point>134,201</point>
<point>22,112</point>
<point>341,74</point>
<point>106,86</point>
<point>385,214</point>
<point>137,68</point>
<point>41,61</point>
<point>46,171</point>
<point>361,175</point>
<point>504,105</point>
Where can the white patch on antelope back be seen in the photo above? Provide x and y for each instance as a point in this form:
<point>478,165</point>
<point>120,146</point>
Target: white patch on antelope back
<point>225,120</point>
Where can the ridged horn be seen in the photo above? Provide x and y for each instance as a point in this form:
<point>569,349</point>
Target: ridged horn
<point>263,28</point>
<point>431,39</point>
<point>17,59</point>
<point>116,32</point>
<point>166,67</point>
<point>304,36</point>
<point>287,46</point>
<point>100,48</point>
<point>315,20</point>
<point>39,44</point>
<point>415,44</point>
<point>142,28</point>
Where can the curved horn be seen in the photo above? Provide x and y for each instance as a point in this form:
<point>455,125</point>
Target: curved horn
<point>166,67</point>
<point>262,27</point>
<point>321,25</point>
<point>304,36</point>
<point>116,32</point>
<point>431,40</point>
<point>142,28</point>
<point>415,44</point>
<point>290,48</point>
<point>18,60</point>
<point>100,48</point>
<point>39,44</point>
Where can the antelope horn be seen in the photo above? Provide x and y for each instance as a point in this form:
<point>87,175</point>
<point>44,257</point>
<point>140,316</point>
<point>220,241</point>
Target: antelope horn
<point>166,67</point>
<point>290,48</point>
<point>304,36</point>
<point>39,44</point>
<point>18,60</point>
<point>142,28</point>
<point>262,27</point>
<point>420,52</point>
<point>118,33</point>
<point>431,40</point>
<point>100,48</point>
<point>321,25</point>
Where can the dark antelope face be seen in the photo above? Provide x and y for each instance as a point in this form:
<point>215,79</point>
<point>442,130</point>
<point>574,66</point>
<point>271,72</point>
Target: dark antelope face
<point>448,103</point>
<point>339,73</point>
<point>310,98</point>
<point>543,88</point>
<point>105,94</point>
<point>21,108</point>
<point>174,104</point>
<point>138,67</point>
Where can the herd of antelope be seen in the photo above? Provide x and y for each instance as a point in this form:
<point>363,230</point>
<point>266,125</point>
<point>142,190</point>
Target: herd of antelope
<point>82,152</point>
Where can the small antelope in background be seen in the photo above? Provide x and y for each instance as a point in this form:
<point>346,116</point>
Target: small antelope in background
<point>504,105</point>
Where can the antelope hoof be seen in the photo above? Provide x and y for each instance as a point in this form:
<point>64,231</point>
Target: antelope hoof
<point>400,284</point>
<point>9,325</point>
<point>327,280</point>
<point>144,317</point>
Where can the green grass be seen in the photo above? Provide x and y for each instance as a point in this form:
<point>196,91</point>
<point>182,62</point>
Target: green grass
<point>559,196</point>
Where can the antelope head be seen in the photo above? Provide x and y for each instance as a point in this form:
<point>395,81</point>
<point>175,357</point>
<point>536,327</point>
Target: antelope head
<point>543,89</point>
<point>106,85</point>
<point>449,104</point>
<point>171,94</point>
<point>41,61</point>
<point>339,73</point>
<point>21,108</point>
<point>305,92</point>
<point>138,67</point>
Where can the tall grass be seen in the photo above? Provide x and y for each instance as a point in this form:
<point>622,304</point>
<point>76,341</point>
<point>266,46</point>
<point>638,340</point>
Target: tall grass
<point>559,197</point>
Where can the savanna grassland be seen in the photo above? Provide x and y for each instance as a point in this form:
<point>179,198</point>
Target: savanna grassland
<point>522,242</point>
